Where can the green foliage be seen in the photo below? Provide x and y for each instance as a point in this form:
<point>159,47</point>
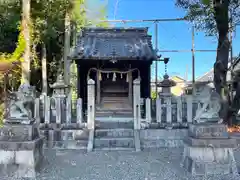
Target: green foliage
<point>47,26</point>
<point>153,95</point>
<point>10,15</point>
<point>203,14</point>
<point>13,57</point>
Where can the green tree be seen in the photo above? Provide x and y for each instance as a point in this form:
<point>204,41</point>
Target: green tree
<point>216,17</point>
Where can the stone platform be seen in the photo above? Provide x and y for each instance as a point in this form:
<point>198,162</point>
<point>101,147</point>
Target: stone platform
<point>21,150</point>
<point>208,150</point>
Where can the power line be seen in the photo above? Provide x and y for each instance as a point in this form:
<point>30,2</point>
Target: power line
<point>144,20</point>
<point>188,50</point>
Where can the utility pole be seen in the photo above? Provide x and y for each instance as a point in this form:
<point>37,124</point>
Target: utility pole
<point>193,58</point>
<point>186,74</point>
<point>156,62</point>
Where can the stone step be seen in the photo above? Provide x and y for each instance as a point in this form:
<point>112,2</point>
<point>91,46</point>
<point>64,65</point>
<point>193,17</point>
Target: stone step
<point>114,94</point>
<point>114,133</point>
<point>113,110</point>
<point>116,101</point>
<point>115,149</point>
<point>114,142</point>
<point>115,115</point>
<point>115,107</point>
<point>115,98</point>
<point>113,125</point>
<point>115,118</point>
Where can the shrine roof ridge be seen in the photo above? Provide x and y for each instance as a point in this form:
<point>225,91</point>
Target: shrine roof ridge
<point>130,29</point>
<point>116,32</point>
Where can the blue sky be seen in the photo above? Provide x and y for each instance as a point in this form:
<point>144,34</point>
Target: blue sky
<point>171,35</point>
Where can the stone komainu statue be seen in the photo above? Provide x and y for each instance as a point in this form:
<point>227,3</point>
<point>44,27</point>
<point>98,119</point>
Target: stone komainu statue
<point>21,105</point>
<point>209,105</point>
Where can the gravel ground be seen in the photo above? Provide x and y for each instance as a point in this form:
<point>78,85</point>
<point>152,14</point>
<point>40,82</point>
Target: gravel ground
<point>161,164</point>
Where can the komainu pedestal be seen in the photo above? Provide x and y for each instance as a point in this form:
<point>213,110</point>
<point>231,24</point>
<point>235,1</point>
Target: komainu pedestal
<point>208,150</point>
<point>21,150</point>
<point>21,146</point>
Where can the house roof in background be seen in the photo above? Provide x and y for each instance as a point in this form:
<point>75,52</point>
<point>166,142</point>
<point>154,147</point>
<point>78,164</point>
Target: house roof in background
<point>207,77</point>
<point>177,77</point>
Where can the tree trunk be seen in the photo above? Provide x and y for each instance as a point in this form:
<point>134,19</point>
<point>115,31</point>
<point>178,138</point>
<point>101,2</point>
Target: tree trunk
<point>67,48</point>
<point>221,64</point>
<point>44,70</point>
<point>26,32</point>
<point>220,72</point>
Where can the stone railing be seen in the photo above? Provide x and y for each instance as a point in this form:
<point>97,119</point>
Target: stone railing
<point>57,112</point>
<point>165,111</point>
<point>168,110</point>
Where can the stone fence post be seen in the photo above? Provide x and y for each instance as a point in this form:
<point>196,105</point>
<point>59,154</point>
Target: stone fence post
<point>79,112</point>
<point>91,104</point>
<point>148,110</point>
<point>189,100</point>
<point>37,110</point>
<point>159,110</point>
<point>136,103</point>
<point>69,108</point>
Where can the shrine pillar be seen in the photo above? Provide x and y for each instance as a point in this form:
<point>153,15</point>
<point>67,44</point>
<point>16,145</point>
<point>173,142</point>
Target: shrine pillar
<point>130,88</point>
<point>91,104</point>
<point>98,87</point>
<point>136,103</point>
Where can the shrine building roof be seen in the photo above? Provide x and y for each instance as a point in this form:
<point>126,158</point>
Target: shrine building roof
<point>114,44</point>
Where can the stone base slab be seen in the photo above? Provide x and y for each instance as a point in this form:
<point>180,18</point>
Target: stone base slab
<point>208,130</point>
<point>19,132</point>
<point>161,143</point>
<point>20,159</point>
<point>209,161</point>
<point>214,143</point>
<point>19,146</point>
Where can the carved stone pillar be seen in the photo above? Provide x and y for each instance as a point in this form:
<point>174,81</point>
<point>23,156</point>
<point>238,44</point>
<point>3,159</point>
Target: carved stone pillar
<point>136,103</point>
<point>91,104</point>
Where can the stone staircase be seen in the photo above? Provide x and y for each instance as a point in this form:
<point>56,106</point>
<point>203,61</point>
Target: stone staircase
<point>114,136</point>
<point>114,107</point>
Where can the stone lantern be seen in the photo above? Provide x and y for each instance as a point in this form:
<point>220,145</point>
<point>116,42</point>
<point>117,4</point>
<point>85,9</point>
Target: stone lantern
<point>166,85</point>
<point>59,87</point>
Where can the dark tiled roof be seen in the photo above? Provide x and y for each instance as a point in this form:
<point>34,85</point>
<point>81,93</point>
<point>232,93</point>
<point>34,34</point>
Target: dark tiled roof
<point>114,43</point>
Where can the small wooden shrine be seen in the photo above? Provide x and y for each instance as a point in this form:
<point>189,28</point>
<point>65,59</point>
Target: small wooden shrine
<point>113,58</point>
